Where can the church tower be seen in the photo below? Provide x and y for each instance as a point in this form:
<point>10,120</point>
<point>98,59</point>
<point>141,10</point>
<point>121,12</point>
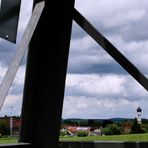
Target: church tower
<point>139,111</point>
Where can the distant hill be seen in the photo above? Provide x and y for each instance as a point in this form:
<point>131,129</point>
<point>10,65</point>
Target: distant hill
<point>120,119</point>
<point>112,119</point>
<point>115,120</point>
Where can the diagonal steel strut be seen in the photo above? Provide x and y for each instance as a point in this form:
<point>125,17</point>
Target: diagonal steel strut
<point>110,49</point>
<point>20,52</point>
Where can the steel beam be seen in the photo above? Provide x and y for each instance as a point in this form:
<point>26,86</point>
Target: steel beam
<point>46,74</point>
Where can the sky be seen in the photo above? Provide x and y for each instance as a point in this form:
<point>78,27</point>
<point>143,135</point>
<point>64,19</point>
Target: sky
<point>96,85</point>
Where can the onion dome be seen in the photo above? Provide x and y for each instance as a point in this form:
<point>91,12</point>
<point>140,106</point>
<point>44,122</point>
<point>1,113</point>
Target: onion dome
<point>139,109</point>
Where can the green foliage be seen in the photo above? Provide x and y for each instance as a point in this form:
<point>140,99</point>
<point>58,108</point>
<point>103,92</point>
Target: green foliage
<point>82,122</point>
<point>144,121</point>
<point>111,129</point>
<point>8,140</point>
<point>106,122</point>
<point>64,133</point>
<point>82,133</point>
<point>4,127</point>
<point>70,122</point>
<point>94,123</point>
<point>136,128</point>
<point>145,127</point>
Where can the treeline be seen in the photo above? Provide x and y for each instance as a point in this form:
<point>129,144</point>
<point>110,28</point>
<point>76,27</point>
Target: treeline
<point>82,122</point>
<point>98,122</point>
<point>111,126</point>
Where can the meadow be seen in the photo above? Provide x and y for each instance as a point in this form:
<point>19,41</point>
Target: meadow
<point>129,137</point>
<point>8,140</point>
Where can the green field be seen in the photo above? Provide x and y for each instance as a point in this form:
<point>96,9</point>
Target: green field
<point>8,140</point>
<point>130,137</point>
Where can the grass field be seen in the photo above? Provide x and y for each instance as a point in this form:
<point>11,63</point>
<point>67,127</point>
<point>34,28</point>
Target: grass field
<point>8,140</point>
<point>131,137</point>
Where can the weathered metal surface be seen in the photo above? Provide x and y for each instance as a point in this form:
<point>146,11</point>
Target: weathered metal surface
<point>20,52</point>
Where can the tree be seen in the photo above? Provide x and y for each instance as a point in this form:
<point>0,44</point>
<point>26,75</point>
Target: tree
<point>136,128</point>
<point>94,123</point>
<point>90,122</point>
<point>4,127</point>
<point>106,122</point>
<point>111,129</point>
<point>82,123</point>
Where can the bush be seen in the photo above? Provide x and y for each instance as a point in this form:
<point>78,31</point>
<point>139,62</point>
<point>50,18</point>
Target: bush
<point>145,127</point>
<point>82,134</point>
<point>111,129</point>
<point>63,133</point>
<point>4,128</point>
<point>136,128</point>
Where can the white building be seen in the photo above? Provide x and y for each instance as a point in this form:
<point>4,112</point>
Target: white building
<point>139,111</point>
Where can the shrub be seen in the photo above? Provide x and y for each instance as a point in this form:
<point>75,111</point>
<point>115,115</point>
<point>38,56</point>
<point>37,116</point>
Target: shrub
<point>63,133</point>
<point>4,128</point>
<point>82,133</point>
<point>136,128</point>
<point>111,129</point>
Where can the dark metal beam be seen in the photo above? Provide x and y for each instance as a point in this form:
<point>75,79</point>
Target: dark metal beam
<point>102,144</point>
<point>46,74</point>
<point>9,16</point>
<point>110,49</point>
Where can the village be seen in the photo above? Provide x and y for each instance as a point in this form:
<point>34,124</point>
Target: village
<point>9,126</point>
<point>92,127</point>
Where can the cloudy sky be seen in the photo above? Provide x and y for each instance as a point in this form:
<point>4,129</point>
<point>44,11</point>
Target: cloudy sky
<point>96,85</point>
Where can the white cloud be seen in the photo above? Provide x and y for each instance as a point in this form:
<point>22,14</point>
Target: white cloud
<point>104,85</point>
<point>103,96</point>
<point>84,107</point>
<point>12,105</point>
<point>135,51</point>
<point>20,76</point>
<point>124,19</point>
<point>14,98</point>
<point>3,70</point>
<point>25,14</point>
<point>96,84</point>
<point>102,10</point>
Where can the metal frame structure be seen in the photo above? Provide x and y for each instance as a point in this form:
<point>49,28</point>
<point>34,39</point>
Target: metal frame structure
<point>46,73</point>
